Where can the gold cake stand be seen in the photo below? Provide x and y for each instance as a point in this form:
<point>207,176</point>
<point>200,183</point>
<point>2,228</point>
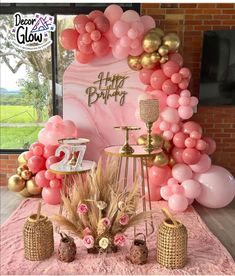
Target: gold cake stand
<point>125,171</point>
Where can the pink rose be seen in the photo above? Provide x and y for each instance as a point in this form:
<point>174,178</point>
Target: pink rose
<point>87,231</point>
<point>106,222</point>
<point>88,241</point>
<point>124,219</point>
<point>82,209</point>
<point>119,239</point>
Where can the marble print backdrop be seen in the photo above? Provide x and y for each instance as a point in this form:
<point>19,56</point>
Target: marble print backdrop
<point>98,96</point>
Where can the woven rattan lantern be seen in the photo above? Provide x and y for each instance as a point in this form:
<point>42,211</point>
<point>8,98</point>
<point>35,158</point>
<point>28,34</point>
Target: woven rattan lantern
<point>38,237</point>
<point>171,242</point>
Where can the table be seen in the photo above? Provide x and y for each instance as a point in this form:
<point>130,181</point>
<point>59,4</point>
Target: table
<point>124,171</point>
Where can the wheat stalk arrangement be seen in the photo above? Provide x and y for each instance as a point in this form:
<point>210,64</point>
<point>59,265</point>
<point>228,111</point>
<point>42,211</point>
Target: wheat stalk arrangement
<point>101,211</point>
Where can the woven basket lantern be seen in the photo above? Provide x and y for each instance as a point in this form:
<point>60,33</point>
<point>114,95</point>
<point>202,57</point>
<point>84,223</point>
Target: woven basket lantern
<point>38,237</point>
<point>171,242</point>
<point>139,250</point>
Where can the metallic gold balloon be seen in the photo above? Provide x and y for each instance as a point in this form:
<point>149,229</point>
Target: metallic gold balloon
<point>163,50</point>
<point>146,61</point>
<point>157,140</point>
<point>149,163</point>
<point>172,40</point>
<point>32,187</point>
<point>155,57</point>
<point>157,31</point>
<point>161,159</point>
<point>167,146</point>
<point>25,192</point>
<point>26,174</point>
<point>22,168</point>
<point>151,42</point>
<point>164,59</point>
<point>21,159</point>
<point>16,183</point>
<point>172,162</point>
<point>134,63</point>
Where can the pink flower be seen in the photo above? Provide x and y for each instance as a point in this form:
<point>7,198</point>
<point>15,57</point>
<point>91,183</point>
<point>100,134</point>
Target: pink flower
<point>87,231</point>
<point>105,222</point>
<point>119,239</point>
<point>88,241</point>
<point>82,209</point>
<point>124,219</point>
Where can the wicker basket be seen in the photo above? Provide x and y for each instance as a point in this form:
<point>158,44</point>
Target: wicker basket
<point>171,242</point>
<point>38,237</point>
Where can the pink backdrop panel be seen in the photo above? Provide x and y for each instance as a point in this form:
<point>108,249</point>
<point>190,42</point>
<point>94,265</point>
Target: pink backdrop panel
<point>96,121</point>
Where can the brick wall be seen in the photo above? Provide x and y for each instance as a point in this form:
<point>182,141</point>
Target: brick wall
<point>189,21</point>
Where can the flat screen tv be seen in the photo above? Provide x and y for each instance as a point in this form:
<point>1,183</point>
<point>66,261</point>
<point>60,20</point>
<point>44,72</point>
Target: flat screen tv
<point>217,84</point>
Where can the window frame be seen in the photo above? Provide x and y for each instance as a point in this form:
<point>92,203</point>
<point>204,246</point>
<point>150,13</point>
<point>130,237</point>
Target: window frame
<point>54,10</point>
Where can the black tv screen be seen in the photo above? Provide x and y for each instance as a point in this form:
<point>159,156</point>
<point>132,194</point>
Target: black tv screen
<point>217,84</point>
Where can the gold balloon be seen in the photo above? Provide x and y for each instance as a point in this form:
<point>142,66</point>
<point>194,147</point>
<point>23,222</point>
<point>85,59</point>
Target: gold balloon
<point>21,159</point>
<point>26,174</point>
<point>32,187</point>
<point>172,40</point>
<point>149,163</point>
<point>146,61</point>
<point>20,169</point>
<point>134,63</point>
<point>155,57</point>
<point>16,183</point>
<point>151,42</point>
<point>172,162</point>
<point>163,50</point>
<point>167,146</point>
<point>157,140</point>
<point>161,159</point>
<point>164,59</point>
<point>25,192</point>
<point>157,31</point>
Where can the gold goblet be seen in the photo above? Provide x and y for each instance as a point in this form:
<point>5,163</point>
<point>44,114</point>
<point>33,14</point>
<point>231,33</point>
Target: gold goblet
<point>149,112</point>
<point>127,149</point>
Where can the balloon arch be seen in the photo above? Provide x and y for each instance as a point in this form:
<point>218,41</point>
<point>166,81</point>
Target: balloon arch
<point>183,171</point>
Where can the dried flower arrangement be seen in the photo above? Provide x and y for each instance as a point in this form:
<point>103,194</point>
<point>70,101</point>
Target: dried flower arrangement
<point>102,210</point>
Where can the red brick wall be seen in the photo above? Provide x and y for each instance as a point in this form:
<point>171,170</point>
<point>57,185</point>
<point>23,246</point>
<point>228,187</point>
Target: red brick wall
<point>189,21</point>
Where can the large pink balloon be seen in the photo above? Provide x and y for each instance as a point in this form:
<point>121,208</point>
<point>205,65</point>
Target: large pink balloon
<point>51,160</point>
<point>148,22</point>
<point>51,196</point>
<point>95,13</point>
<point>211,145</point>
<point>161,96</point>
<point>130,16</point>
<point>83,58</point>
<point>113,13</point>
<point>179,140</point>
<point>80,23</point>
<point>68,39</point>
<point>178,202</point>
<point>170,67</point>
<point>145,75</point>
<point>120,28</point>
<point>218,187</point>
<point>191,126</point>
<point>181,172</point>
<point>177,58</point>
<point>165,192</point>
<point>49,150</point>
<point>191,156</point>
<point>192,188</point>
<point>154,193</point>
<point>177,154</point>
<point>101,47</point>
<point>173,100</point>
<point>169,87</point>
<point>185,112</point>
<point>157,79</point>
<point>120,52</point>
<point>158,176</point>
<point>36,163</point>
<point>102,23</point>
<point>41,180</point>
<point>170,115</point>
<point>203,165</point>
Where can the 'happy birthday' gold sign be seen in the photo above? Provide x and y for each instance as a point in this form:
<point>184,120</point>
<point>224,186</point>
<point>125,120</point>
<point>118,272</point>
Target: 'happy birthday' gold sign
<point>107,86</point>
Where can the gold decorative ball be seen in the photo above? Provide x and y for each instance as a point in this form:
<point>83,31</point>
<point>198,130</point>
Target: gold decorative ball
<point>32,187</point>
<point>151,42</point>
<point>148,162</point>
<point>157,140</point>
<point>146,61</point>
<point>163,50</point>
<point>172,162</point>
<point>158,31</point>
<point>161,159</point>
<point>155,57</point>
<point>16,183</point>
<point>26,174</point>
<point>164,59</point>
<point>25,192</point>
<point>21,159</point>
<point>22,168</point>
<point>172,40</point>
<point>134,63</point>
<point>167,146</point>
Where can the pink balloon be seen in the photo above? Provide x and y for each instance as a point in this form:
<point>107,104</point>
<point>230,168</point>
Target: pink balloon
<point>55,184</point>
<point>170,115</point>
<point>177,189</point>
<point>148,88</point>
<point>172,101</point>
<point>190,142</point>
<point>138,26</point>
<point>172,181</point>
<point>136,43</point>
<point>185,72</point>
<point>185,112</point>
<point>36,145</point>
<point>38,151</point>
<point>120,52</point>
<point>203,165</point>
<point>181,172</point>
<point>177,58</point>
<point>195,135</point>
<point>51,196</point>
<point>201,145</point>
<point>49,150</point>
<point>111,37</point>
<point>145,75</point>
<point>90,27</point>
<point>69,128</point>
<point>184,84</point>
<point>120,28</point>
<point>194,101</point>
<point>175,128</point>
<point>41,180</point>
<point>101,47</point>
<point>113,13</point>
<point>164,126</point>
<point>102,23</point>
<point>125,41</point>
<point>148,22</point>
<point>185,93</point>
<point>36,163</point>
<point>68,39</point>
<point>165,192</point>
<point>168,135</point>
<point>80,22</point>
<point>169,87</point>
<point>191,156</point>
<point>218,187</point>
<point>170,67</point>
<point>49,175</point>
<point>184,101</point>
<point>83,58</point>
<point>130,16</point>
<point>51,160</point>
<point>178,202</point>
<point>136,52</point>
<point>154,193</point>
<point>92,15</point>
<point>28,154</point>
<point>86,38</point>
<point>132,34</point>
<point>177,154</point>
<point>179,140</point>
<point>176,78</point>
<point>158,176</point>
<point>211,145</point>
<point>191,126</point>
<point>157,79</point>
<point>160,96</point>
<point>192,188</point>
